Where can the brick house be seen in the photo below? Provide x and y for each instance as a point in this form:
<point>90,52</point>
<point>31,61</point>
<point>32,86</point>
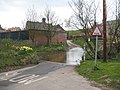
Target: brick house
<point>38,33</point>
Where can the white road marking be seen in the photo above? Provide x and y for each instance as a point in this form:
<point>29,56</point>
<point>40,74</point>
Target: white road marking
<point>31,81</point>
<point>20,78</point>
<point>29,78</point>
<point>2,79</point>
<point>25,79</point>
<point>6,76</point>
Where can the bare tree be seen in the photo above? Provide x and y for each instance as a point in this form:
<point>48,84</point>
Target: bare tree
<point>84,17</point>
<point>51,22</point>
<point>114,31</point>
<point>31,18</point>
<point>32,15</point>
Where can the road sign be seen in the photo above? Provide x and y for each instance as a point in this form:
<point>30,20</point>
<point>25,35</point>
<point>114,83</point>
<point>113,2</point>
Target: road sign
<point>97,32</point>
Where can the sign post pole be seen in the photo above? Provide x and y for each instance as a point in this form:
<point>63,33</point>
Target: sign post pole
<point>96,49</point>
<point>96,33</point>
<point>84,53</point>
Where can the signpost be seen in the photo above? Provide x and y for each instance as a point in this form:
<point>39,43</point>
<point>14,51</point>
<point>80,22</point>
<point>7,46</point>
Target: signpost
<point>96,33</point>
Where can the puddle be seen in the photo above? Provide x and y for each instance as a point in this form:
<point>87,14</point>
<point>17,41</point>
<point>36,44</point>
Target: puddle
<point>74,56</point>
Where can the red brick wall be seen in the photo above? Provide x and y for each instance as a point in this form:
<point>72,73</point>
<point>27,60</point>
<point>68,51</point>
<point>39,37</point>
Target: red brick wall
<point>59,37</point>
<point>40,38</point>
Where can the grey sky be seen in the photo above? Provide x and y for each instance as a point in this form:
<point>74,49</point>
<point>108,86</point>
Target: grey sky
<point>12,12</point>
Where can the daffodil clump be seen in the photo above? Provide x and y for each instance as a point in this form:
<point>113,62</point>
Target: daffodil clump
<point>22,49</point>
<point>26,48</point>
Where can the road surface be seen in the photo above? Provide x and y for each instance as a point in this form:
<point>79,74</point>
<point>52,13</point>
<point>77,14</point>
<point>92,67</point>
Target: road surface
<point>45,76</point>
<point>10,80</point>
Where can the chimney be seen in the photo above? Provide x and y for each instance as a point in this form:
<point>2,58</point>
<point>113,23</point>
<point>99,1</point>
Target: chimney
<point>43,20</point>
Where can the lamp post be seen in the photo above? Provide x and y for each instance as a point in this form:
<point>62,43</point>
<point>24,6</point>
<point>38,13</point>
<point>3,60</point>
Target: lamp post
<point>104,31</point>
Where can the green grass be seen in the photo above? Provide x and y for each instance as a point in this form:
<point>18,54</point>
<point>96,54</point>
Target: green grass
<point>73,32</point>
<point>49,48</point>
<point>107,73</point>
<point>80,42</point>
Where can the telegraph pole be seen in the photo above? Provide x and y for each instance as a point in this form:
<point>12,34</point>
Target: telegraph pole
<point>104,32</point>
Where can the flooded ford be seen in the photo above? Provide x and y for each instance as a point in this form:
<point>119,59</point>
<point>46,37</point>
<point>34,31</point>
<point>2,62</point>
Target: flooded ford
<point>74,56</point>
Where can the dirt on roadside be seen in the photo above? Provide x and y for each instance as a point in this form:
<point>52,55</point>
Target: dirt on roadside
<point>56,56</point>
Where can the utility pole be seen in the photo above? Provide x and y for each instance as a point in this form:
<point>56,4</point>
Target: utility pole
<point>119,9</point>
<point>104,32</point>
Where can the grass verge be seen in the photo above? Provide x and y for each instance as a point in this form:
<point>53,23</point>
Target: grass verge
<point>107,74</point>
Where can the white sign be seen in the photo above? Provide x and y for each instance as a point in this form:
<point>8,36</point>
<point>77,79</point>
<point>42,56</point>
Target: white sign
<point>97,32</point>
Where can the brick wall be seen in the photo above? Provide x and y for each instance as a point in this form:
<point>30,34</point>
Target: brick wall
<point>41,39</point>
<point>60,38</point>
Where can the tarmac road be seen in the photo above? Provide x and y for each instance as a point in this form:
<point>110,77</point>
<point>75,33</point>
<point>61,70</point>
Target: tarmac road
<point>45,76</point>
<point>19,78</point>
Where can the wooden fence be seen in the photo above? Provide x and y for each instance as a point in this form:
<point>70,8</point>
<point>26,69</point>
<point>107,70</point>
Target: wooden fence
<point>15,35</point>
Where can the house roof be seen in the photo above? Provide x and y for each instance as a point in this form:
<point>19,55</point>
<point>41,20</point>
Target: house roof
<point>59,28</point>
<point>42,26</point>
<point>36,25</point>
<point>14,29</point>
<point>2,31</point>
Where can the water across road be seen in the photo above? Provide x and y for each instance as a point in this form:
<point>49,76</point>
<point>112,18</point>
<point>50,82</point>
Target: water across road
<point>74,54</point>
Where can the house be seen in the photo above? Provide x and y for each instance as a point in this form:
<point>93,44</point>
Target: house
<point>41,32</point>
<point>14,33</point>
<point>14,29</point>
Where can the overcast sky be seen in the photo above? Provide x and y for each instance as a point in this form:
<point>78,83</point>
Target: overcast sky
<point>12,12</point>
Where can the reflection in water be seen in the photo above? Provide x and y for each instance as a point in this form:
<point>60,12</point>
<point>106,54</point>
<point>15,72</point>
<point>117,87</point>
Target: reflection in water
<point>74,56</point>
